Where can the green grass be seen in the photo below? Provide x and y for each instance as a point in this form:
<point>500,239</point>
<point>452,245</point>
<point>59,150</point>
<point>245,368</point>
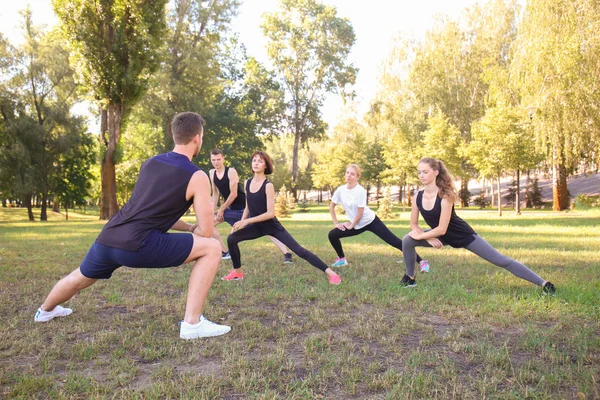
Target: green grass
<point>469,330</point>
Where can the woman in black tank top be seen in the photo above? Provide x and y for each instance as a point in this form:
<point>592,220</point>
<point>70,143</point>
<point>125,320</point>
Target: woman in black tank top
<point>259,220</point>
<point>436,204</point>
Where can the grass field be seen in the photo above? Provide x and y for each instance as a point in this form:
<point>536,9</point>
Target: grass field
<point>469,330</point>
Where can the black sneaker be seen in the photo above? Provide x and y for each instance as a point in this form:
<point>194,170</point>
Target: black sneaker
<point>287,258</point>
<point>407,282</point>
<point>549,288</point>
<point>225,255</point>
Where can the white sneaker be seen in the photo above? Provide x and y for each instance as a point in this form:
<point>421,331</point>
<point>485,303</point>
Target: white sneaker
<point>204,328</point>
<point>45,316</point>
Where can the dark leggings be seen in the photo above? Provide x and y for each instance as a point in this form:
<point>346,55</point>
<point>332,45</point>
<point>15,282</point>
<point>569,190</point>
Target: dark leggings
<point>377,227</point>
<point>252,231</point>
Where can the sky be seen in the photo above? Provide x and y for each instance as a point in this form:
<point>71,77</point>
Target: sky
<point>376,23</point>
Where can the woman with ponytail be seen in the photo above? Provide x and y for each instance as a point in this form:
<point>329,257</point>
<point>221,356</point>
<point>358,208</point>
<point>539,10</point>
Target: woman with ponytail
<point>436,204</point>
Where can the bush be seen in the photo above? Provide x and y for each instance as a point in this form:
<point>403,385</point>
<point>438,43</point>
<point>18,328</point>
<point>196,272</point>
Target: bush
<point>303,206</point>
<point>385,209</point>
<point>281,205</point>
<point>588,200</point>
<point>481,201</point>
<point>339,210</point>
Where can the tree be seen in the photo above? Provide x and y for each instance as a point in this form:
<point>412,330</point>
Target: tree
<point>72,177</point>
<point>39,130</point>
<point>114,45</point>
<point>501,142</point>
<point>308,45</point>
<point>557,63</point>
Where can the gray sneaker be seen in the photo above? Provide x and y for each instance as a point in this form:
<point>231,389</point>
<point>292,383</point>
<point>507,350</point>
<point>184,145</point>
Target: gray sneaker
<point>204,328</point>
<point>287,258</point>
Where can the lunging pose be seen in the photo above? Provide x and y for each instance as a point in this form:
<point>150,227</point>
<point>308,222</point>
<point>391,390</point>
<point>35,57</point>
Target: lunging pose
<point>353,198</point>
<point>436,204</point>
<point>136,236</point>
<point>259,220</point>
<point>226,182</point>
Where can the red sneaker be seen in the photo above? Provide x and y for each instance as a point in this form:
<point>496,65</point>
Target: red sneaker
<point>233,275</point>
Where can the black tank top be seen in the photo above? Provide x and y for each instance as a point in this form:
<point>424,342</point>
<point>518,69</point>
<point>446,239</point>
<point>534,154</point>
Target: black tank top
<point>458,234</point>
<point>156,203</point>
<point>257,204</point>
<point>223,185</point>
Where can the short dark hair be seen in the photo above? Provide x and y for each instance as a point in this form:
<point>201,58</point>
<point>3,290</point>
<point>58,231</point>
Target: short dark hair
<point>216,152</point>
<point>185,126</point>
<point>269,163</point>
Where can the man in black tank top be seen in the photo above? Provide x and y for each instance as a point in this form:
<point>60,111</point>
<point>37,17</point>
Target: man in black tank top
<point>225,182</point>
<point>137,237</point>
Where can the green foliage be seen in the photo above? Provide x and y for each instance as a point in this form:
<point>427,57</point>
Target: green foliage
<point>443,141</point>
<point>347,145</point>
<point>588,200</point>
<point>308,45</point>
<point>45,150</point>
<point>114,45</point>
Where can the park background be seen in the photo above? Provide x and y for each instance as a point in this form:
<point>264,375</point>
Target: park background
<point>504,92</point>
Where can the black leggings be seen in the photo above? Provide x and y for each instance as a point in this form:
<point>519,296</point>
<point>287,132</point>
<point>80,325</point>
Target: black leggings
<point>377,227</point>
<point>252,231</point>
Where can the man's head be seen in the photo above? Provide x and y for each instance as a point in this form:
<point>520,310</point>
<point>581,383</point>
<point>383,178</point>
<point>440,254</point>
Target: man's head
<point>186,127</point>
<point>217,158</point>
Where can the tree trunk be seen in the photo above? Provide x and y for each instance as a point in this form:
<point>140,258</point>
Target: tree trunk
<point>463,187</point>
<point>518,194</point>
<point>295,161</point>
<point>56,205</point>
<point>27,203</point>
<point>108,196</point>
<point>66,212</point>
<point>560,192</point>
<point>499,198</point>
<point>3,203</point>
<point>44,210</point>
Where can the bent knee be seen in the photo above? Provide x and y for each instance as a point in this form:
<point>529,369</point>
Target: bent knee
<point>407,240</point>
<point>205,247</point>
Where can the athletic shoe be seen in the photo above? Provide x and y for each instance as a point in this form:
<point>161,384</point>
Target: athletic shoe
<point>335,279</point>
<point>204,328</point>
<point>45,316</point>
<point>340,262</point>
<point>225,255</point>
<point>407,282</point>
<point>549,288</point>
<point>287,258</point>
<point>233,275</point>
<point>424,266</point>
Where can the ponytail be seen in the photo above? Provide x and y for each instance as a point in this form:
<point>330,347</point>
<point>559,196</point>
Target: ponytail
<point>444,180</point>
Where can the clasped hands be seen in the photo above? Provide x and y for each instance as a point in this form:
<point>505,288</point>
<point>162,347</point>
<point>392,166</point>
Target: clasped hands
<point>346,225</point>
<point>434,242</point>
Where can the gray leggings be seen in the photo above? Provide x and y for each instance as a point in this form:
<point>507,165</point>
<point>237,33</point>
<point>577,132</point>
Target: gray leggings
<point>480,247</point>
